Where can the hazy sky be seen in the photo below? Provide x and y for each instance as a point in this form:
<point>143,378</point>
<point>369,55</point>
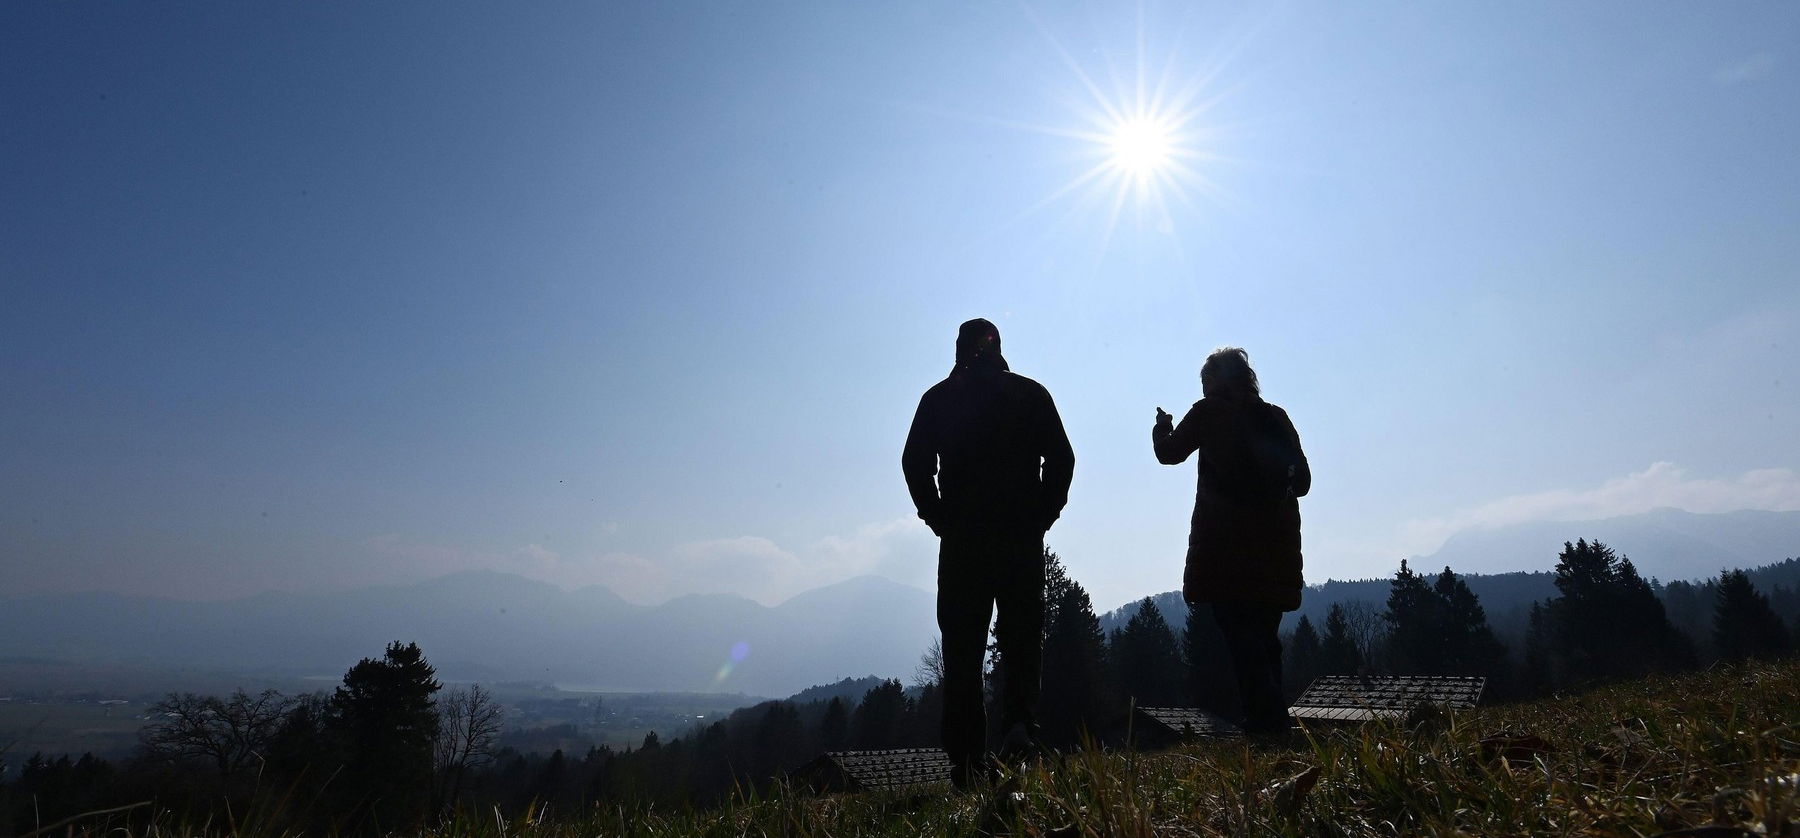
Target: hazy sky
<point>644,294</point>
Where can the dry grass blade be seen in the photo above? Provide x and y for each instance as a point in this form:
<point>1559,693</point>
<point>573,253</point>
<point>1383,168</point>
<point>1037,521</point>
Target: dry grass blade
<point>116,810</point>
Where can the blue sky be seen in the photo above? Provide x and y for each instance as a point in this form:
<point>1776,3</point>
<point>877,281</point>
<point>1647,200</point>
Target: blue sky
<point>643,295</point>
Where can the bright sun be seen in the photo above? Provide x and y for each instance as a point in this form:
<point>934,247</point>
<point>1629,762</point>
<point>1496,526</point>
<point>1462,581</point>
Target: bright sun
<point>1140,146</point>
<point>1147,139</point>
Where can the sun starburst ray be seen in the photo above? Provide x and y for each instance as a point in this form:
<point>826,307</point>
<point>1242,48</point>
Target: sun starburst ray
<point>1145,130</point>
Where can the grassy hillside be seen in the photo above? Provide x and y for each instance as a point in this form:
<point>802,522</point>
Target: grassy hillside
<point>1651,757</point>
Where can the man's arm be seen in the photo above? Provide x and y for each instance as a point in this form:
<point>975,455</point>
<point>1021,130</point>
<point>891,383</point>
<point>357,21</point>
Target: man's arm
<point>919,462</point>
<point>1059,462</point>
<point>1301,480</point>
<point>1174,444</point>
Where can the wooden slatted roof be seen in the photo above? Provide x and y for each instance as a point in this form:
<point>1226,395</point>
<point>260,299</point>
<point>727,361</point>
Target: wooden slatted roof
<point>1364,697</point>
<point>1188,722</point>
<point>906,769</point>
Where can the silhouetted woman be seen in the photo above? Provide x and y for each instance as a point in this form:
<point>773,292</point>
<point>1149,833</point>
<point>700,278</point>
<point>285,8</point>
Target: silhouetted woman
<point>1243,553</point>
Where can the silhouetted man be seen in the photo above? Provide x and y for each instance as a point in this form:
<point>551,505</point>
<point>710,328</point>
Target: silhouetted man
<point>1002,464</point>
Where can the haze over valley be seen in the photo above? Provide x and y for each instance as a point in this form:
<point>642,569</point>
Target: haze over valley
<point>496,627</point>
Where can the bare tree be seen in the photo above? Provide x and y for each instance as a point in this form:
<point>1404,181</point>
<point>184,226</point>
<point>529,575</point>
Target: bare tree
<point>930,671</point>
<point>468,727</point>
<point>1369,630</point>
<point>227,732</point>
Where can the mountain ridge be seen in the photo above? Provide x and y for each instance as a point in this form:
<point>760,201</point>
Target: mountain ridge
<point>490,624</point>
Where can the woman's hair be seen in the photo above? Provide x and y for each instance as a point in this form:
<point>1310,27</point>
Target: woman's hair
<point>1228,370</point>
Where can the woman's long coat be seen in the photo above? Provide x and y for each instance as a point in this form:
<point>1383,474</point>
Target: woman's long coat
<point>1239,549</point>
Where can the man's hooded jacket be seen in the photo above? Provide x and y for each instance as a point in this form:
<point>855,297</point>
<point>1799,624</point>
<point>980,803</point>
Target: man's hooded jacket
<point>994,443</point>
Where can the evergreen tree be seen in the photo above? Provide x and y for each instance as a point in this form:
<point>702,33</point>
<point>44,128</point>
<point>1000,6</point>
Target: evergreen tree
<point>1607,621</point>
<point>1211,684</point>
<point>1057,583</point>
<point>1149,659</point>
<point>1690,606</point>
<point>1439,628</point>
<point>1338,654</point>
<point>1744,625</point>
<point>924,719</point>
<point>1470,647</point>
<point>876,724</point>
<point>834,731</point>
<point>1659,645</point>
<point>301,742</point>
<point>780,741</point>
<point>49,790</point>
<point>384,718</point>
<point>1074,695</point>
<point>712,761</point>
<point>1416,624</point>
<point>1536,676</point>
<point>547,786</point>
<point>1303,658</point>
<point>640,774</point>
<point>1584,614</point>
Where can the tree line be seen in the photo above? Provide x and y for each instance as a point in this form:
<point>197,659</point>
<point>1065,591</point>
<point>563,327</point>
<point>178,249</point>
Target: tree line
<point>1605,622</point>
<point>381,752</point>
<point>390,749</point>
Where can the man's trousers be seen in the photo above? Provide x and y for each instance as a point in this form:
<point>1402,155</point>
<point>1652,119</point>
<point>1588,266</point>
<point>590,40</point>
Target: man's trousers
<point>977,574</point>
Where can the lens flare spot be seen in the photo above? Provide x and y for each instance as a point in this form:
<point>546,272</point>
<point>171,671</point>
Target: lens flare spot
<point>739,651</point>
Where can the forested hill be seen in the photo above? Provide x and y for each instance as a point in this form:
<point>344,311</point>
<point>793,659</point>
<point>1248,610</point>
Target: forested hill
<point>1507,597</point>
<point>849,689</point>
<point>1508,567</point>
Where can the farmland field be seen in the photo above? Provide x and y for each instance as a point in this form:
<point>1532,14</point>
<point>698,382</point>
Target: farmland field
<point>56,728</point>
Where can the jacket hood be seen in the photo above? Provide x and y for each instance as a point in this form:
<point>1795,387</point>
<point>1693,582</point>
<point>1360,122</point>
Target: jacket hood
<point>978,347</point>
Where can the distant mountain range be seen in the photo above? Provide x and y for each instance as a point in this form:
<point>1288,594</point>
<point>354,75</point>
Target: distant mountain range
<point>1666,544</point>
<point>490,626</point>
<point>494,627</point>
